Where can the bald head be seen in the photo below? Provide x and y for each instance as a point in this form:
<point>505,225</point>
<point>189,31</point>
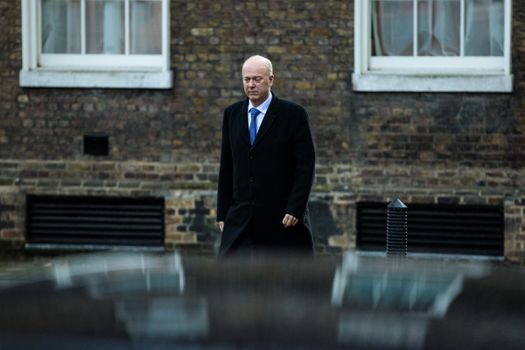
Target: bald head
<point>257,77</point>
<point>260,61</point>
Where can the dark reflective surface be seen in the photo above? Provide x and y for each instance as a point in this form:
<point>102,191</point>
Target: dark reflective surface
<point>152,301</point>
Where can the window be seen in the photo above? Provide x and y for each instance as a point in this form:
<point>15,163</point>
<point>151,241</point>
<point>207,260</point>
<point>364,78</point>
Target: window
<point>432,45</point>
<point>96,43</point>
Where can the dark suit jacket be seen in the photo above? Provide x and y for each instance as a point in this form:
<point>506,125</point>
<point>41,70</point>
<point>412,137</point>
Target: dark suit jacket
<point>263,182</point>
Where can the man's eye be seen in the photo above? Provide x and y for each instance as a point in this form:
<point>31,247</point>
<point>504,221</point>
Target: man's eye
<point>257,79</point>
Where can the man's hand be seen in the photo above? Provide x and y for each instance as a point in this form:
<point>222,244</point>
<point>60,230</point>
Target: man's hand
<point>221,225</point>
<point>290,220</point>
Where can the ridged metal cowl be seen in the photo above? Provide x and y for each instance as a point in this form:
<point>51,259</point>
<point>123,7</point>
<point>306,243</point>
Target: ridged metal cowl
<point>396,229</point>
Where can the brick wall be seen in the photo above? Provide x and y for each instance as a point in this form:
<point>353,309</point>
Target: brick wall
<point>422,147</point>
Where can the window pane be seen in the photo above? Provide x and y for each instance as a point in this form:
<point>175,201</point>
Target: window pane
<point>146,27</point>
<point>439,24</point>
<point>105,26</point>
<point>484,31</point>
<point>392,28</point>
<point>60,26</point>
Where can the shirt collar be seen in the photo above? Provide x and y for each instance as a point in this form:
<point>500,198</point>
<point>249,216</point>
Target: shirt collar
<point>263,107</point>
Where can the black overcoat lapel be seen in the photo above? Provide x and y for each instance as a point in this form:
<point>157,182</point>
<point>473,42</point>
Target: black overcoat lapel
<point>242,119</point>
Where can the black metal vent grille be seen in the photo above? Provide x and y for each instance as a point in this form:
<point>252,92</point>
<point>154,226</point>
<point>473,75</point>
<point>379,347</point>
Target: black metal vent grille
<point>436,228</point>
<point>95,220</point>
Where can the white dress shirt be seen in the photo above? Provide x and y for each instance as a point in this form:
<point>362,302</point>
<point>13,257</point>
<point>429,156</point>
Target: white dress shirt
<point>263,108</point>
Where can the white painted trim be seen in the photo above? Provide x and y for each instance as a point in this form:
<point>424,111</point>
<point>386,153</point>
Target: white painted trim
<point>444,65</point>
<point>84,70</point>
<point>98,62</point>
<point>83,27</point>
<point>440,74</point>
<point>358,23</point>
<point>415,21</point>
<point>432,83</point>
<point>508,36</point>
<point>36,31</point>
<point>166,35</point>
<point>127,29</point>
<point>26,45</point>
<point>116,80</point>
<point>29,33</point>
<point>462,10</point>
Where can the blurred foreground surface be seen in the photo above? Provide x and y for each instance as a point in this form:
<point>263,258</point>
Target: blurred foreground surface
<point>165,301</point>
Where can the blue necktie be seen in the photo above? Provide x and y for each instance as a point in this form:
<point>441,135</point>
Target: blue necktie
<point>253,124</point>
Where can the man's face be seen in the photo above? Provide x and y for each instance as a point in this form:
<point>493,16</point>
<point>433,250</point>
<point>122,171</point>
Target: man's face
<point>257,81</point>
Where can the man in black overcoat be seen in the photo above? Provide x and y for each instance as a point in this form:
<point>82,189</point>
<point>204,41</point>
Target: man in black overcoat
<point>266,170</point>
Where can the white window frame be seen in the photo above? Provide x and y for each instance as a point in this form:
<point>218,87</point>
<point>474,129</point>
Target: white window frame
<point>427,74</point>
<point>89,70</point>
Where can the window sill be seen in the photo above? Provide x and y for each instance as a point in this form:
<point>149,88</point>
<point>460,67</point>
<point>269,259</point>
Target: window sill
<point>97,79</point>
<point>382,82</point>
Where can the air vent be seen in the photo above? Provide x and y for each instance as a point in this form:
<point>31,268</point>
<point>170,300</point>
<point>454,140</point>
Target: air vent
<point>436,228</point>
<point>110,221</point>
<point>96,145</point>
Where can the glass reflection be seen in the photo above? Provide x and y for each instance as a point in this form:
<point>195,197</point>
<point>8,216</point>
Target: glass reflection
<point>392,28</point>
<point>146,30</point>
<point>61,26</point>
<point>146,301</point>
<point>439,27</point>
<point>147,292</point>
<point>105,26</point>
<point>162,317</point>
<point>386,303</point>
<point>484,27</point>
<point>108,275</point>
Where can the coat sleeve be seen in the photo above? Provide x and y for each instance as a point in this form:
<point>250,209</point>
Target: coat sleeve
<point>304,166</point>
<point>225,188</point>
